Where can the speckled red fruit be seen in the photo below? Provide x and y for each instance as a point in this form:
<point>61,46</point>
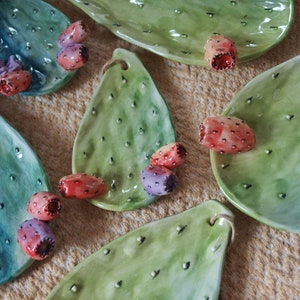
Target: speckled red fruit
<point>226,134</point>
<point>14,82</point>
<point>36,238</point>
<point>44,206</point>
<point>170,156</point>
<point>81,186</point>
<point>76,32</point>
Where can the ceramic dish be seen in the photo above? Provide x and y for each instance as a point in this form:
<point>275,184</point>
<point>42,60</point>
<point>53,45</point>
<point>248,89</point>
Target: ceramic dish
<point>29,31</point>
<point>179,29</point>
<point>21,176</point>
<point>264,182</point>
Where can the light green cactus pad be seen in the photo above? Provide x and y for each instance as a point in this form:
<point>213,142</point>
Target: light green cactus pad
<point>178,29</point>
<point>126,121</point>
<point>179,257</point>
<point>21,175</point>
<point>29,31</point>
<point>264,182</point>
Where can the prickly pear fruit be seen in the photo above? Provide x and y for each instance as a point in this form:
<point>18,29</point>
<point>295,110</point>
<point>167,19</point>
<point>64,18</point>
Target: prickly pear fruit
<point>126,121</point>
<point>226,135</point>
<point>11,65</point>
<point>158,180</point>
<point>75,33</point>
<point>170,156</point>
<point>179,257</point>
<point>30,29</point>
<point>220,52</point>
<point>73,56</point>
<point>178,30</point>
<point>36,238</point>
<point>15,82</point>
<point>82,186</point>
<point>21,176</point>
<point>264,182</point>
<point>44,206</point>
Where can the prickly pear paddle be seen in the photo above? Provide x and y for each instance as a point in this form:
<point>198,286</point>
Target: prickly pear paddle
<point>126,121</point>
<point>178,29</point>
<point>264,182</point>
<point>21,175</point>
<point>179,257</point>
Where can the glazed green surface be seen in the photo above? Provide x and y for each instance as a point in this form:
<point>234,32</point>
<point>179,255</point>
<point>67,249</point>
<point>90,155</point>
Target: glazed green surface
<point>29,31</point>
<point>178,29</point>
<point>126,121</point>
<point>264,182</point>
<point>179,257</point>
<point>21,175</point>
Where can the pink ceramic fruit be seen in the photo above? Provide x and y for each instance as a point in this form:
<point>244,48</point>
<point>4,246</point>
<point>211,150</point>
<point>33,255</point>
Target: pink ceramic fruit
<point>73,56</point>
<point>170,156</point>
<point>77,32</point>
<point>220,52</point>
<point>14,82</point>
<point>36,238</point>
<point>158,180</point>
<point>44,206</point>
<point>82,186</point>
<point>226,135</point>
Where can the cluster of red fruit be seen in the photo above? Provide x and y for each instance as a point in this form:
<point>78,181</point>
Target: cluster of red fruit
<point>35,235</point>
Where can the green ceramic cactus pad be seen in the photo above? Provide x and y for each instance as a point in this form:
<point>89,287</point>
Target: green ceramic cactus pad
<point>178,29</point>
<point>264,182</point>
<point>126,121</point>
<point>21,175</point>
<point>179,257</point>
<point>29,31</point>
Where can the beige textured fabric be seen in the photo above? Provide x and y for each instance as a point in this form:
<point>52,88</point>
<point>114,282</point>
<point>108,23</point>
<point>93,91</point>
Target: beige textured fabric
<point>263,263</point>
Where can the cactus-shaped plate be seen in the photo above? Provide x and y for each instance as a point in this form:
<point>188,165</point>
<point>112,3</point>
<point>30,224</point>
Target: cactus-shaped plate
<point>179,257</point>
<point>29,31</point>
<point>264,182</point>
<point>126,121</point>
<point>178,29</point>
<point>21,175</point>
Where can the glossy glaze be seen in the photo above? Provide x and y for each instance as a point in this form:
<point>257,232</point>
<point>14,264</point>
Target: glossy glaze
<point>179,29</point>
<point>264,182</point>
<point>21,175</point>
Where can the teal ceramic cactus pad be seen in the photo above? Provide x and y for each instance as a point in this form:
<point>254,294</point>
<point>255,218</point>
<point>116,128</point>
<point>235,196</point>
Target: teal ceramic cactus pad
<point>29,31</point>
<point>126,121</point>
<point>21,175</point>
<point>264,182</point>
<point>178,29</point>
<point>179,257</point>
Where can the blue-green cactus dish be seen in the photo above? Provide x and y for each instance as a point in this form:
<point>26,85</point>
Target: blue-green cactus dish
<point>21,175</point>
<point>29,31</point>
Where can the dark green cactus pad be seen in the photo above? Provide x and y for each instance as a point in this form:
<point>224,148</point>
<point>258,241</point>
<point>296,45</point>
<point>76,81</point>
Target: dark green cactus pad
<point>178,29</point>
<point>126,121</point>
<point>21,175</point>
<point>179,257</point>
<point>29,31</point>
<point>264,182</point>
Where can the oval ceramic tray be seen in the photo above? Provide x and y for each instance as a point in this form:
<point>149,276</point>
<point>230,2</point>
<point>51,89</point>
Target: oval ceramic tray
<point>21,175</point>
<point>29,31</point>
<point>178,29</point>
<point>264,182</point>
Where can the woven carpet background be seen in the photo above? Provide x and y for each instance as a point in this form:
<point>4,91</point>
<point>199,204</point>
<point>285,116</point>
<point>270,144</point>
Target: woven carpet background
<point>263,263</point>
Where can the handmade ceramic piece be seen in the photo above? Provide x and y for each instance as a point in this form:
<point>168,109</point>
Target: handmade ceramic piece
<point>179,257</point>
<point>29,31</point>
<point>178,30</point>
<point>264,182</point>
<point>21,175</point>
<point>126,121</point>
